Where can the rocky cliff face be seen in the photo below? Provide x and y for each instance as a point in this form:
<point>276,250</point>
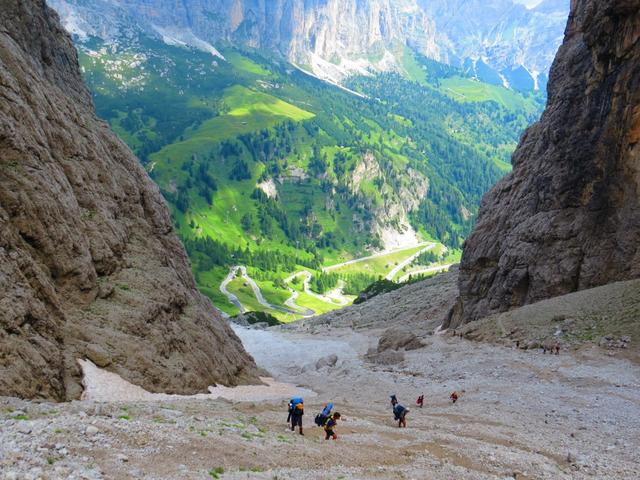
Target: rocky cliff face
<point>568,217</point>
<point>89,264</point>
<point>331,37</point>
<point>334,38</point>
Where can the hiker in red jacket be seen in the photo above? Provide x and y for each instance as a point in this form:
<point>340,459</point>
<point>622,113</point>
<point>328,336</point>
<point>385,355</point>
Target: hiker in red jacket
<point>454,397</point>
<point>420,401</point>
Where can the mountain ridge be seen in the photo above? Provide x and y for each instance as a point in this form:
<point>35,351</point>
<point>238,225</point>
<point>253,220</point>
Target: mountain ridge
<point>322,37</point>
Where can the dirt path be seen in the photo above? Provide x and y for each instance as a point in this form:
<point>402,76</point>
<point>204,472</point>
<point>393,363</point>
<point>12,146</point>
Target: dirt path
<point>523,415</point>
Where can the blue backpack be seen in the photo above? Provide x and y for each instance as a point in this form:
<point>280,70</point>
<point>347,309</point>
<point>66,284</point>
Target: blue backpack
<point>322,417</point>
<point>293,403</point>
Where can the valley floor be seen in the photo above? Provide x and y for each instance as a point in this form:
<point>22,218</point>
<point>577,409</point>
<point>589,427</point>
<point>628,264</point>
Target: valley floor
<point>522,415</point>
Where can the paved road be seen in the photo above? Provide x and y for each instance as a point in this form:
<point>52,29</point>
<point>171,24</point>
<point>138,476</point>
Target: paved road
<point>408,261</point>
<point>242,271</point>
<point>291,303</point>
<point>335,299</point>
<point>232,298</point>
<point>377,255</point>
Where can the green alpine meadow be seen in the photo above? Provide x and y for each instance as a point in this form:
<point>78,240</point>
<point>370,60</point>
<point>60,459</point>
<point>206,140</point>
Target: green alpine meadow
<point>293,195</point>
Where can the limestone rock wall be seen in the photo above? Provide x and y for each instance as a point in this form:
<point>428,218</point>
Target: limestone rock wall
<point>568,217</point>
<point>89,264</point>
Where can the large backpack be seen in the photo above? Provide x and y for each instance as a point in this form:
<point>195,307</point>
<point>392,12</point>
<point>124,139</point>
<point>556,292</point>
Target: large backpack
<point>323,416</point>
<point>320,419</point>
<point>296,405</point>
<point>398,411</point>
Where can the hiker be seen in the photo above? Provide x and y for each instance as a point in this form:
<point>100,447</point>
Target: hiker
<point>296,411</point>
<point>394,400</point>
<point>420,401</point>
<point>329,426</point>
<point>289,410</point>
<point>454,397</point>
<point>399,413</point>
<point>322,417</point>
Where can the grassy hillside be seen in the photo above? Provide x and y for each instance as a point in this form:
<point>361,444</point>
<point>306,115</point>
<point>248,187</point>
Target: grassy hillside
<point>267,167</point>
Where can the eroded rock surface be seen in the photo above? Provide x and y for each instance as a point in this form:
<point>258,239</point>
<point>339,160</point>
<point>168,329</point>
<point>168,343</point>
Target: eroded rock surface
<point>89,264</point>
<point>568,217</point>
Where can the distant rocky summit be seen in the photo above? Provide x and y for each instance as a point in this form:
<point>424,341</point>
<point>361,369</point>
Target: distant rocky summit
<point>568,217</point>
<point>89,263</point>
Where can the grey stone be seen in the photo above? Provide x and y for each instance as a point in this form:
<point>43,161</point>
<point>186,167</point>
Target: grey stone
<point>328,361</point>
<point>397,338</point>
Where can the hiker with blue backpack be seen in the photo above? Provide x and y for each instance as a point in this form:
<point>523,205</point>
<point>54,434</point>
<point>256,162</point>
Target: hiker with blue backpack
<point>296,411</point>
<point>329,426</point>
<point>399,412</point>
<point>322,417</point>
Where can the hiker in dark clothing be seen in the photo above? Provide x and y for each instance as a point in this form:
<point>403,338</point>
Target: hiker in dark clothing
<point>399,413</point>
<point>330,425</point>
<point>420,401</point>
<point>322,417</point>
<point>394,400</point>
<point>296,411</point>
<point>290,410</point>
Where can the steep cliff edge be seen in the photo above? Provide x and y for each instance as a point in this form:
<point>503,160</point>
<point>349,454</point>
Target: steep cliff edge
<point>89,264</point>
<point>568,217</point>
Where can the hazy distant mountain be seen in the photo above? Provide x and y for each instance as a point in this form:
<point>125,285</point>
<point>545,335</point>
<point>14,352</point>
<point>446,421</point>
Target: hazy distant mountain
<point>500,40</point>
<point>334,38</point>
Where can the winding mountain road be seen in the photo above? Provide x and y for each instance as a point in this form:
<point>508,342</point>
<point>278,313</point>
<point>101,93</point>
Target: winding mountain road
<point>377,255</point>
<point>233,273</point>
<point>408,261</point>
<point>334,297</point>
<point>230,296</point>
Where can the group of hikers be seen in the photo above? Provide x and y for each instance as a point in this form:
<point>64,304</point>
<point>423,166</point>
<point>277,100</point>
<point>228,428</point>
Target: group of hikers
<point>327,419</point>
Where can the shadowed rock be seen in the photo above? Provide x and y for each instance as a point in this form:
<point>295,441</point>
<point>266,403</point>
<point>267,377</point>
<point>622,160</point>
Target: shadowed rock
<point>568,217</point>
<point>89,264</point>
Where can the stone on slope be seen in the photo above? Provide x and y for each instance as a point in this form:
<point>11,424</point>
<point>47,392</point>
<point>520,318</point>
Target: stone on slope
<point>328,361</point>
<point>89,263</point>
<point>398,338</point>
<point>568,217</point>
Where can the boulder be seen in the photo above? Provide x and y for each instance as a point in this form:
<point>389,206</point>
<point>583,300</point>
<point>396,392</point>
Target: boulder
<point>328,361</point>
<point>98,355</point>
<point>388,357</point>
<point>397,338</point>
